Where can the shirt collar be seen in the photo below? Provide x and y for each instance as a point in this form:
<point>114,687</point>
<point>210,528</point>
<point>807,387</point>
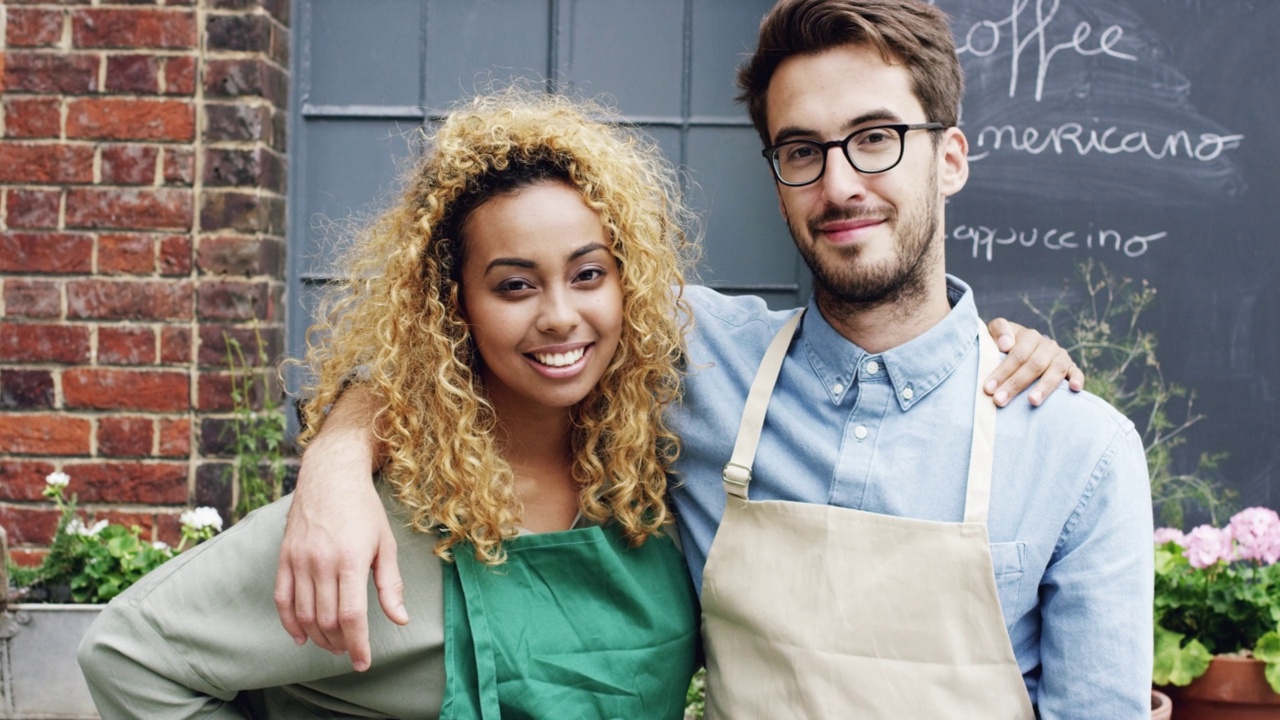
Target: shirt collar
<point>914,369</point>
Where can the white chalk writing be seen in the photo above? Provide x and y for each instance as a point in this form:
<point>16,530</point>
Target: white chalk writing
<point>983,39</point>
<point>1074,138</point>
<point>985,240</point>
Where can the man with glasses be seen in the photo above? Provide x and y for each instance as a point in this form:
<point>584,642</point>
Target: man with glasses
<point>873,543</point>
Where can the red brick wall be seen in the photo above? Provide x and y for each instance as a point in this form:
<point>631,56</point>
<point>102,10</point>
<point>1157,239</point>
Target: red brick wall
<point>142,183</point>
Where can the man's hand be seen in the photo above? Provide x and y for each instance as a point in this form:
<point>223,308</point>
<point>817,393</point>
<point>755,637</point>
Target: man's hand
<point>1031,355</point>
<point>337,529</point>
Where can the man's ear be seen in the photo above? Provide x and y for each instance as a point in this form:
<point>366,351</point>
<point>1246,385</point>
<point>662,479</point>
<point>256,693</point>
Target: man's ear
<point>953,162</point>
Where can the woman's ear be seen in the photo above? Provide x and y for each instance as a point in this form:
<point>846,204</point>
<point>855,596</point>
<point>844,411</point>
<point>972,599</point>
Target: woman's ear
<point>953,162</point>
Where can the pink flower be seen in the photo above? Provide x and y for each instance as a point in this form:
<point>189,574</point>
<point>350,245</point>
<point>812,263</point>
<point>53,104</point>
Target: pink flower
<point>1167,534</point>
<point>1257,534</point>
<point>1206,545</point>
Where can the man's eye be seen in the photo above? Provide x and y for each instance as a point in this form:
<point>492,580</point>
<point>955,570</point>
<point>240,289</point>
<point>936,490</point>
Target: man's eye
<point>799,153</point>
<point>872,138</point>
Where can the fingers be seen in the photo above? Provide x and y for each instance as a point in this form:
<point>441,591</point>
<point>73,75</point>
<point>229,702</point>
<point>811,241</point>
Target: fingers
<point>1035,362</point>
<point>284,594</point>
<point>1003,332</point>
<point>386,577</point>
<point>352,631</point>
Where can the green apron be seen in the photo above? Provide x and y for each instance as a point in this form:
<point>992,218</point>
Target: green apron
<point>575,624</point>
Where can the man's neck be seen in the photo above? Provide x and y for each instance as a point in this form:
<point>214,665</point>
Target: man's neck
<point>883,326</point>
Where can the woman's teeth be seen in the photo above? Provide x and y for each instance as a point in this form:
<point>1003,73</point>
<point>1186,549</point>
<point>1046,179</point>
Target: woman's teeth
<point>560,359</point>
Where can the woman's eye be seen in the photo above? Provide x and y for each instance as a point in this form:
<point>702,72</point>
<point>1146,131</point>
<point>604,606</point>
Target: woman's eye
<point>513,285</point>
<point>589,274</point>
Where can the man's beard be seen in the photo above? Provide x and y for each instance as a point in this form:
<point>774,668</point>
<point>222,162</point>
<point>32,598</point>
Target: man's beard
<point>841,284</point>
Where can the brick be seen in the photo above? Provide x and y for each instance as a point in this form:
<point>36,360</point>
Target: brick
<point>23,480</point>
<point>214,344</point>
<point>33,27</point>
<point>26,389</point>
<point>50,73</point>
<point>131,119</point>
<point>153,483</point>
<point>238,33</point>
<point>213,392</point>
<point>129,345</point>
<point>243,212</point>
<point>45,253</point>
<point>175,437</point>
<point>119,28</point>
<point>46,164</point>
<point>129,164</point>
<point>125,300</point>
<point>278,9</point>
<point>33,208</point>
<point>175,255</point>
<point>237,121</point>
<point>241,256</point>
<point>33,117</point>
<point>246,78</point>
<point>32,298</point>
<point>28,557</point>
<point>27,434</point>
<point>129,208</point>
<point>33,342</point>
<point>28,525</point>
<point>125,436</point>
<point>214,486</point>
<point>180,75</point>
<point>133,74</point>
<point>175,345</point>
<point>109,389</point>
<point>126,254</point>
<point>260,168</point>
<point>226,300</point>
<point>167,527</point>
<point>179,166</point>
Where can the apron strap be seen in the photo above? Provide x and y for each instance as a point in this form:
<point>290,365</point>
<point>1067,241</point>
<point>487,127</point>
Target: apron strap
<point>737,473</point>
<point>981,449</point>
<point>469,570</point>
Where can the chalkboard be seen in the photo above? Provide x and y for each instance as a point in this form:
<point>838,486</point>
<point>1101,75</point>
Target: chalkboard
<point>1140,134</point>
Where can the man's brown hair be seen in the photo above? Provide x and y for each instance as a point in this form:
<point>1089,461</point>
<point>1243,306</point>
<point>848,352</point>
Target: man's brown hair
<point>903,31</point>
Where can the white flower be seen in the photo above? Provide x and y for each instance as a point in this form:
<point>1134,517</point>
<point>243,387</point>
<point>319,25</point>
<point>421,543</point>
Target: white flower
<point>75,527</point>
<point>201,518</point>
<point>160,545</point>
<point>57,479</point>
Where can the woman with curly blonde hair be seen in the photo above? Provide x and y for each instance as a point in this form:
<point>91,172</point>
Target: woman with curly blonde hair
<point>515,318</point>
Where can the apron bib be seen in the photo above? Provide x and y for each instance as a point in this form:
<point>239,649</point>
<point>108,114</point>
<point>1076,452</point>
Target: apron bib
<point>815,611</point>
<point>575,624</point>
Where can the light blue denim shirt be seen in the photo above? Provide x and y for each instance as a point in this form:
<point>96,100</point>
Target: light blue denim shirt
<point>1070,516</point>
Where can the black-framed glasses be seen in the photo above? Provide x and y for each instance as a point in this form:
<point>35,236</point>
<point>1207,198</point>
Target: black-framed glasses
<point>869,150</point>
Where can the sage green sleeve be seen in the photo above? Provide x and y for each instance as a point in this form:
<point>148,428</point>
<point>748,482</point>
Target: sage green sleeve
<point>199,638</point>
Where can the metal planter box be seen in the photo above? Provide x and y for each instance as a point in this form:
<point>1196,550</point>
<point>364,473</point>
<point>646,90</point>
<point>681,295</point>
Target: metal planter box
<point>39,677</point>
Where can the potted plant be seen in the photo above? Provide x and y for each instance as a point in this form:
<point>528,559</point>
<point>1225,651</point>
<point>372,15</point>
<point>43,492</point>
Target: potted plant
<point>45,610</point>
<point>1217,613</point>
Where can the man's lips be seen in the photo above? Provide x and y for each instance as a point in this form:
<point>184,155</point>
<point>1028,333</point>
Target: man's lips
<point>847,230</point>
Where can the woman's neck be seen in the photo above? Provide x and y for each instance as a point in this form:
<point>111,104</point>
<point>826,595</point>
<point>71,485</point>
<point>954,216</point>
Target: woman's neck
<point>539,449</point>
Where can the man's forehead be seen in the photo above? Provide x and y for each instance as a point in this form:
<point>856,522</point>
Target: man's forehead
<point>838,88</point>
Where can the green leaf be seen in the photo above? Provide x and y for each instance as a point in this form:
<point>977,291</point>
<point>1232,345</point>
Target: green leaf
<point>1176,664</point>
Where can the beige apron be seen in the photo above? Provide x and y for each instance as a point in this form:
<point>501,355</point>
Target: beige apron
<point>814,611</point>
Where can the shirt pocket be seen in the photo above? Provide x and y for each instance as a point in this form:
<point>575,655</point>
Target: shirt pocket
<point>1007,562</point>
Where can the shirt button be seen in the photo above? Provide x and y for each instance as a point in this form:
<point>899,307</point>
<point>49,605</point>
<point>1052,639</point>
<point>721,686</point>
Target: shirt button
<point>837,388</point>
<point>860,432</point>
<point>873,367</point>
<point>908,393</point>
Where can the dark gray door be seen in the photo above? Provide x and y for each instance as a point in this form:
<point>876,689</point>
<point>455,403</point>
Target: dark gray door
<point>368,73</point>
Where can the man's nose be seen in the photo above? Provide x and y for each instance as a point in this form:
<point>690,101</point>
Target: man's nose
<point>840,180</point>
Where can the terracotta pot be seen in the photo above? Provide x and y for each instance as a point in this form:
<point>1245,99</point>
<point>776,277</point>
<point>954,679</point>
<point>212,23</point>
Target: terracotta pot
<point>1161,707</point>
<point>1233,688</point>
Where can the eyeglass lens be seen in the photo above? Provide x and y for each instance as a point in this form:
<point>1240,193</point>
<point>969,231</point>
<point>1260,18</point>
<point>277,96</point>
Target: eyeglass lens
<point>871,150</point>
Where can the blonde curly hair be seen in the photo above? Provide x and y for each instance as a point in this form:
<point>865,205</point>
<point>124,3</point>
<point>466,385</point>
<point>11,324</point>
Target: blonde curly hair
<point>396,314</point>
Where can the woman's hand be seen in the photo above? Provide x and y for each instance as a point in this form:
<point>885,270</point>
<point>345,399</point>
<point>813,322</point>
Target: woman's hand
<point>337,529</point>
<point>1031,356</point>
